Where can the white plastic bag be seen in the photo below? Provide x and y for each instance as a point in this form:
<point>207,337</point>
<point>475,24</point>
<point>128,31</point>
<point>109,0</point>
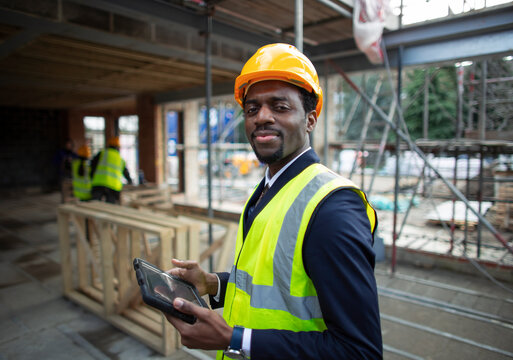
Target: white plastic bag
<point>368,22</point>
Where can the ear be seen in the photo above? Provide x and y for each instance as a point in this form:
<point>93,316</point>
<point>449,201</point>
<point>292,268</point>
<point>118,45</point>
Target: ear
<point>311,121</point>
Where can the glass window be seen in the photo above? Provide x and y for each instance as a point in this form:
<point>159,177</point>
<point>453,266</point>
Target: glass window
<point>94,133</point>
<point>128,137</point>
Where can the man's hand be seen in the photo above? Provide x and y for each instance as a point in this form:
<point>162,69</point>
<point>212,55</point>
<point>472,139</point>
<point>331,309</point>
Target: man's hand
<point>190,271</point>
<point>209,332</point>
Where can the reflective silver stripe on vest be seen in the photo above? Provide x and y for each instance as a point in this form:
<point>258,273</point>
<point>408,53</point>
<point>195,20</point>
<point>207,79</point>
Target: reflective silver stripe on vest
<point>277,296</point>
<point>104,162</point>
<point>107,172</point>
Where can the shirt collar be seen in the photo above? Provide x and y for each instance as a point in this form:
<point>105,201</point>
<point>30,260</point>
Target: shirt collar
<point>269,181</point>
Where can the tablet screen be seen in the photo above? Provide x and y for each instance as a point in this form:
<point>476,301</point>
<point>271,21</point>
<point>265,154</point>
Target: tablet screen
<point>164,286</point>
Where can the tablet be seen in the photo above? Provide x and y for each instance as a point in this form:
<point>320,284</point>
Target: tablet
<point>159,289</point>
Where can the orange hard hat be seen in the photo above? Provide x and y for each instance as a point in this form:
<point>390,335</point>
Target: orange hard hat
<point>84,151</point>
<point>114,141</point>
<point>279,62</point>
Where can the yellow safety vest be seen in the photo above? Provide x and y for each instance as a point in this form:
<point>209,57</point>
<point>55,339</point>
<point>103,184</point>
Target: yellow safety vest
<point>81,184</point>
<point>268,286</point>
<point>109,170</point>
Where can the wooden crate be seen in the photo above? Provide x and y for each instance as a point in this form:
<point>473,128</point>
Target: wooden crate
<point>223,243</point>
<point>158,201</point>
<point>186,240</point>
<point>97,273</point>
<point>149,197</point>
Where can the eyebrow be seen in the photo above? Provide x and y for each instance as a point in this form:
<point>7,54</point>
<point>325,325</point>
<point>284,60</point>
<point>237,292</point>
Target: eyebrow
<point>273,99</point>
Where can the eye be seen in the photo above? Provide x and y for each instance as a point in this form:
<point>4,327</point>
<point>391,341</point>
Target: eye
<point>281,107</point>
<point>251,109</point>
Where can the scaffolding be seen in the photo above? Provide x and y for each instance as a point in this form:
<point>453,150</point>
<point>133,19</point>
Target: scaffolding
<point>477,184</point>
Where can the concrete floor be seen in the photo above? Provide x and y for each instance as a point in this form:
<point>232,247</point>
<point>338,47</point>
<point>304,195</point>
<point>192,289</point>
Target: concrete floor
<point>427,313</point>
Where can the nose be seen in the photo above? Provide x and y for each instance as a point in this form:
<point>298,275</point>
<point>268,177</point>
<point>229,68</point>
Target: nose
<point>264,116</point>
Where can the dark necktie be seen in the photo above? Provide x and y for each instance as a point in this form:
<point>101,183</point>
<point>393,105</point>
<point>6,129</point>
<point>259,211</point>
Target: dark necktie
<point>251,208</point>
<point>266,187</point>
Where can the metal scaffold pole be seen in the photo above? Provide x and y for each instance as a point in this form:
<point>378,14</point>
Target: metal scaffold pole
<point>413,147</point>
<point>326,119</point>
<point>208,83</point>
<point>298,24</point>
<point>397,162</point>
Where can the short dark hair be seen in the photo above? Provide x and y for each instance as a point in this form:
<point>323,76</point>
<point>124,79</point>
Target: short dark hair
<point>309,100</point>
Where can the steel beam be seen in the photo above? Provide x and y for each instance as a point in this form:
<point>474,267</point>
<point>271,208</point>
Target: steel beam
<point>45,26</point>
<point>467,36</point>
<point>168,14</point>
<point>17,41</point>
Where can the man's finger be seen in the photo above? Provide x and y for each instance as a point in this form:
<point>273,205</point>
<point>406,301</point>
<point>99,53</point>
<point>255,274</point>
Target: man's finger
<point>188,307</point>
<point>177,272</point>
<point>186,264</point>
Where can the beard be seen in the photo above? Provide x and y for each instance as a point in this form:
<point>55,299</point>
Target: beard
<point>269,159</point>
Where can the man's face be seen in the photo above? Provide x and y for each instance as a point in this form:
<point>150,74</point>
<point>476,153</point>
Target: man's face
<point>276,124</point>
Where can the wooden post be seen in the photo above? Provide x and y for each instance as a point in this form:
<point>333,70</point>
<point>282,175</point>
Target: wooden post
<point>83,274</point>
<point>169,333</point>
<point>67,281</point>
<point>124,263</point>
<point>107,268</point>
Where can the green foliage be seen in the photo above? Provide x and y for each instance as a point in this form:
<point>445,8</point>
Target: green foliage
<point>442,102</point>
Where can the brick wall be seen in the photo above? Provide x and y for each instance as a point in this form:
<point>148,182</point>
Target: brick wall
<point>29,142</point>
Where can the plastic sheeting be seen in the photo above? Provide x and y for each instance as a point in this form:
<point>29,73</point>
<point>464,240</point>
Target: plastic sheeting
<point>368,22</point>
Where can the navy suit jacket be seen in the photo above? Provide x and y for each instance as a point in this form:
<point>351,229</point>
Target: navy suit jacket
<point>338,257</point>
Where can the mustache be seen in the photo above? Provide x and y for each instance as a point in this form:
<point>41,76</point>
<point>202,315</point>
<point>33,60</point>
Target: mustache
<point>266,128</point>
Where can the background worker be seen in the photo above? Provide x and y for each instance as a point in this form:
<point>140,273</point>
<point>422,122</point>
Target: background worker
<point>81,174</point>
<point>63,159</point>
<point>302,285</point>
<point>108,169</point>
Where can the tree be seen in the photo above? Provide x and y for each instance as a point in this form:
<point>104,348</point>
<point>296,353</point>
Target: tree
<point>442,102</point>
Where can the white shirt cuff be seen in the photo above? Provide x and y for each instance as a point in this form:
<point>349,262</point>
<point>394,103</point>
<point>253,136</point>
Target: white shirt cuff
<point>246,342</point>
<point>218,294</point>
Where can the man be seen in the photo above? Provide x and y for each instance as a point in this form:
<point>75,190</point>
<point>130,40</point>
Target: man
<point>107,169</point>
<point>63,160</point>
<point>81,174</point>
<point>302,284</point>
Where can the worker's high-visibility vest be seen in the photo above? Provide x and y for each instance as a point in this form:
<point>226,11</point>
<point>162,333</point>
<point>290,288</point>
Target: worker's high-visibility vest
<point>81,183</point>
<point>109,170</point>
<point>268,286</point>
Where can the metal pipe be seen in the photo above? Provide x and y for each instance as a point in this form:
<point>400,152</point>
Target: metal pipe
<point>412,146</point>
<point>459,126</point>
<point>425,117</point>
<point>298,24</point>
<point>325,105</point>
<point>467,194</point>
<point>480,199</point>
<point>365,128</point>
<point>397,156</point>
<point>350,116</point>
<point>208,83</point>
<point>470,100</point>
<point>397,141</point>
<point>453,213</point>
<point>492,80</point>
<point>412,199</point>
<point>382,144</point>
<point>482,109</point>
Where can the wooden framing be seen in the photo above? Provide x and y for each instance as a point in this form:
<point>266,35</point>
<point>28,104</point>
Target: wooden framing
<point>97,273</point>
<point>223,244</point>
<point>158,201</point>
<point>148,197</point>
